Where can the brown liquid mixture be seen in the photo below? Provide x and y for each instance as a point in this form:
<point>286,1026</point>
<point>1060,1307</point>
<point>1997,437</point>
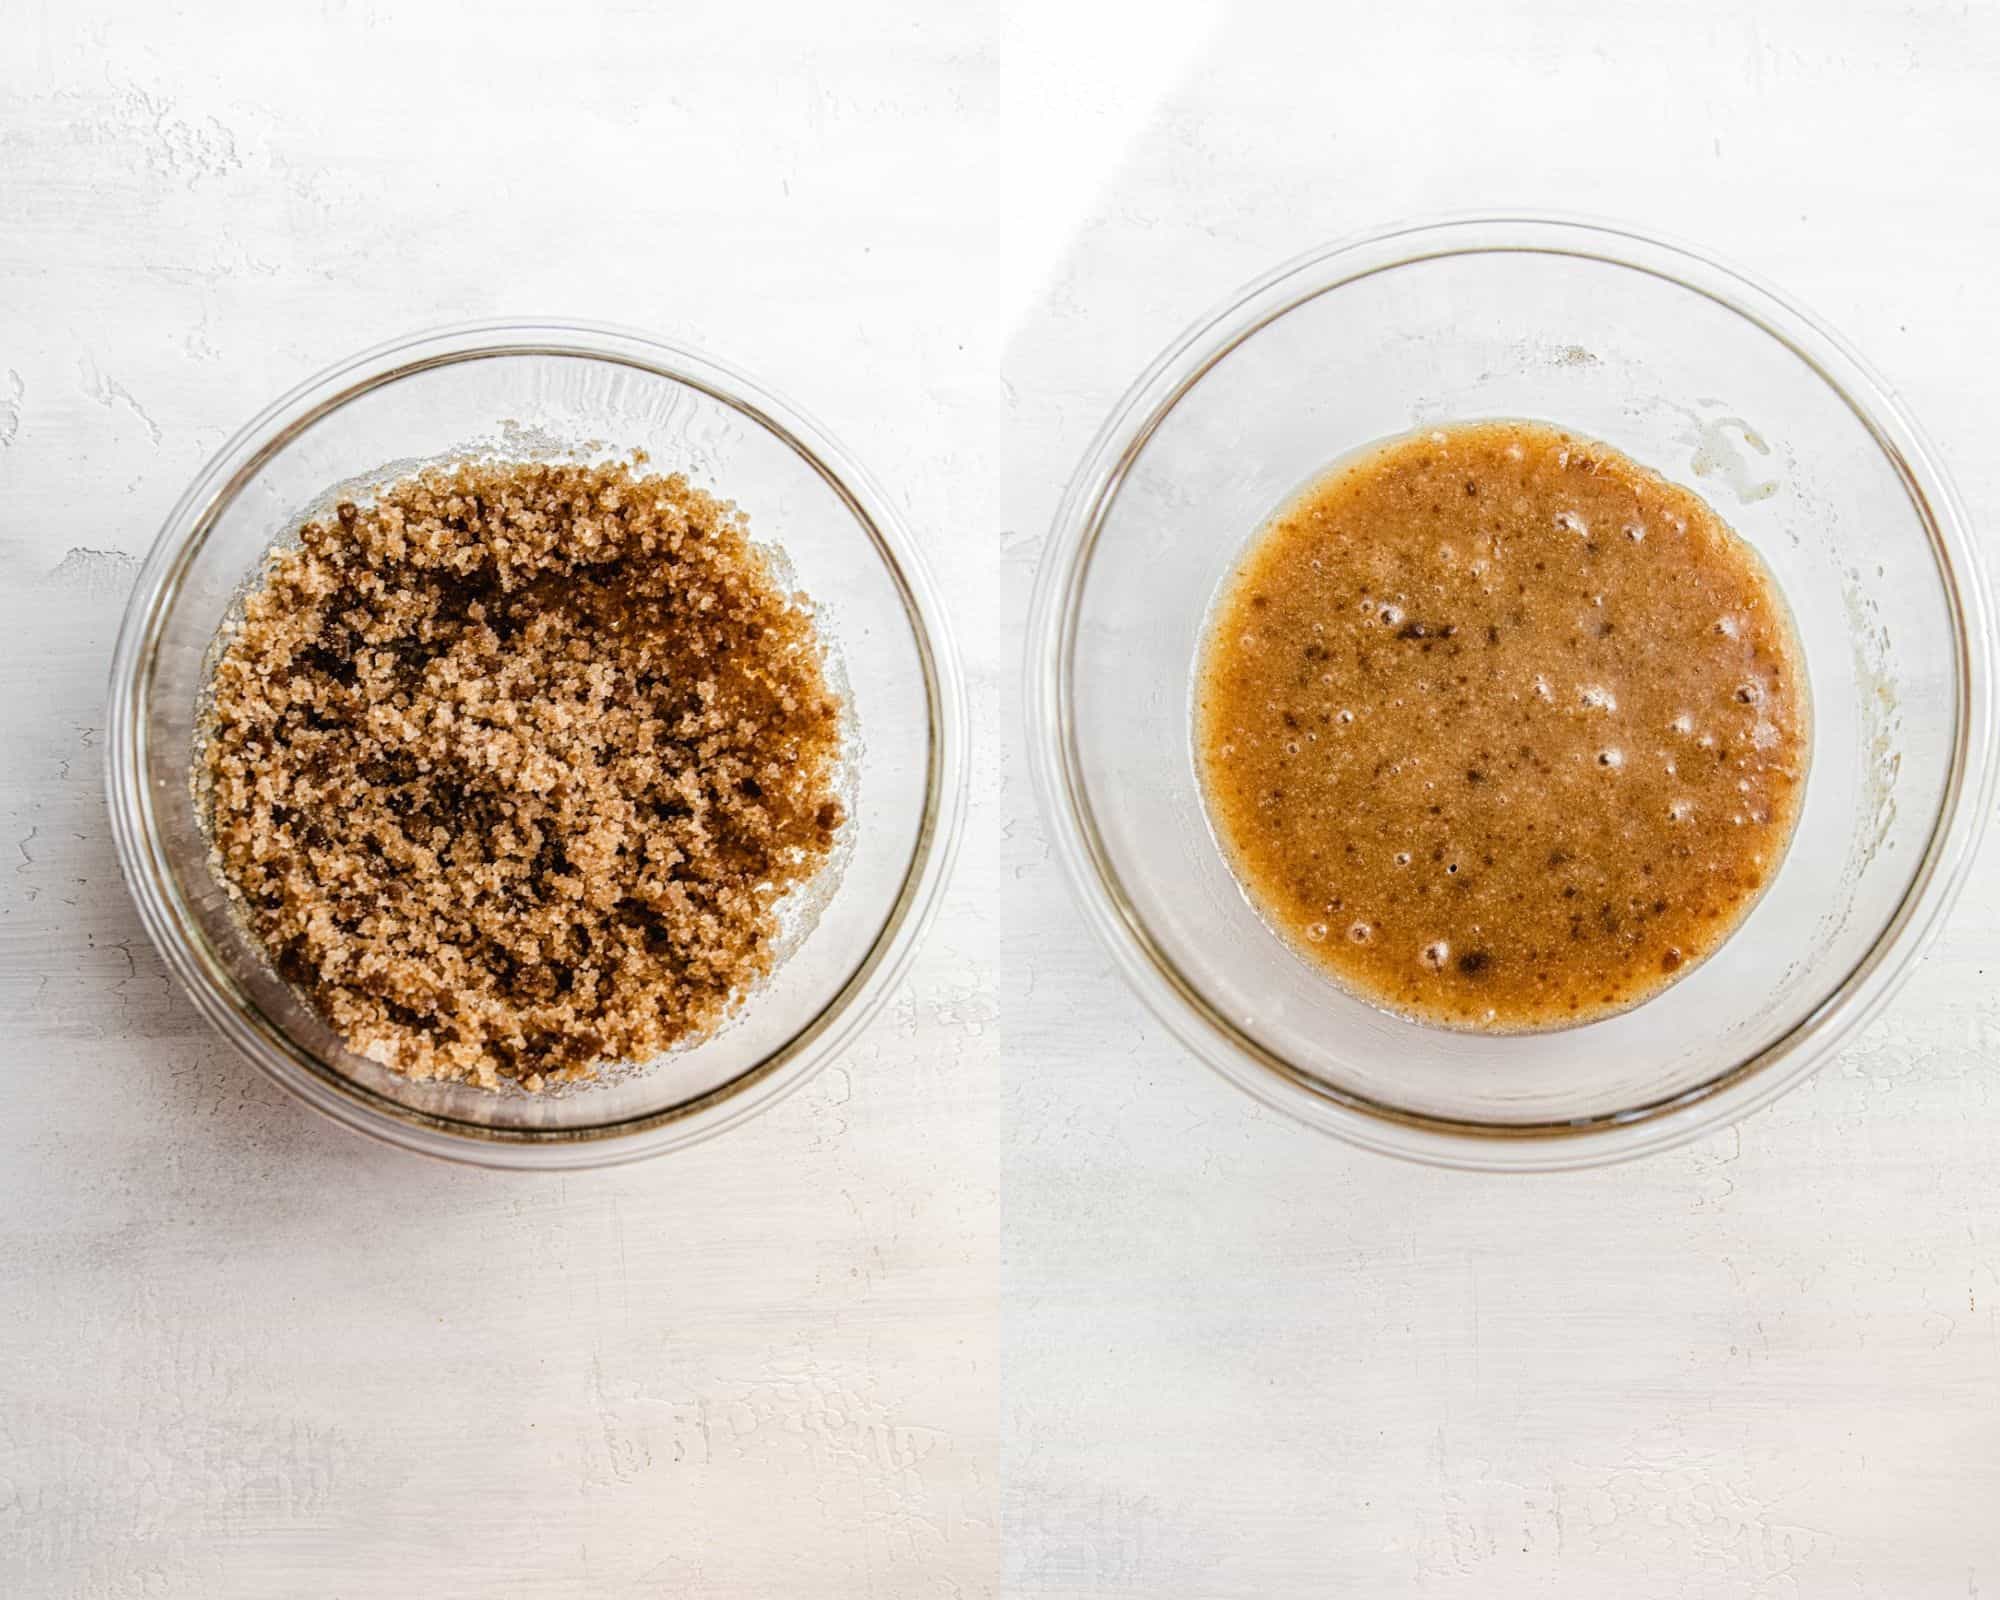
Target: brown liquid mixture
<point>1503,729</point>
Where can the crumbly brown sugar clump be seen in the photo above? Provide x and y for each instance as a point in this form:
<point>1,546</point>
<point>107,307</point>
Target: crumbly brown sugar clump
<point>511,768</point>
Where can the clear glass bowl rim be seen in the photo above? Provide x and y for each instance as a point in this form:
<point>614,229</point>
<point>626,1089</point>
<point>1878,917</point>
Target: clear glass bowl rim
<point>1735,1090</point>
<point>300,1071</point>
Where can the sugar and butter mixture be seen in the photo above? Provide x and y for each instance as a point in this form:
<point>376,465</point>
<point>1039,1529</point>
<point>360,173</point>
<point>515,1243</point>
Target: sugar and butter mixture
<point>1501,728</point>
<point>510,768</point>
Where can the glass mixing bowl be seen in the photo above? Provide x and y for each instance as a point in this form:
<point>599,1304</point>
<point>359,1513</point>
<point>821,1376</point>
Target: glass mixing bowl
<point>574,392</point>
<point>1687,367</point>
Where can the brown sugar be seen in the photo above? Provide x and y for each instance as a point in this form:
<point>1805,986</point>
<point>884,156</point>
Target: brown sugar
<point>510,769</point>
<point>1501,729</point>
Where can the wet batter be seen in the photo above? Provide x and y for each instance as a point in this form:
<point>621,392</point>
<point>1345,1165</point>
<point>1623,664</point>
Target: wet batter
<point>1502,729</point>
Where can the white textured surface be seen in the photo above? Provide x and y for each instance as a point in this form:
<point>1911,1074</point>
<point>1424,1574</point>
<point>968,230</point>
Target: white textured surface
<point>1242,1361</point>
<point>243,1354</point>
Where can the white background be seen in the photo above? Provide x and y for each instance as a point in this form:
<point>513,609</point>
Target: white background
<point>1199,1352</point>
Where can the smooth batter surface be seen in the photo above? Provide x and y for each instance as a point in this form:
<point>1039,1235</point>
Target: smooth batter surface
<point>1501,728</point>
